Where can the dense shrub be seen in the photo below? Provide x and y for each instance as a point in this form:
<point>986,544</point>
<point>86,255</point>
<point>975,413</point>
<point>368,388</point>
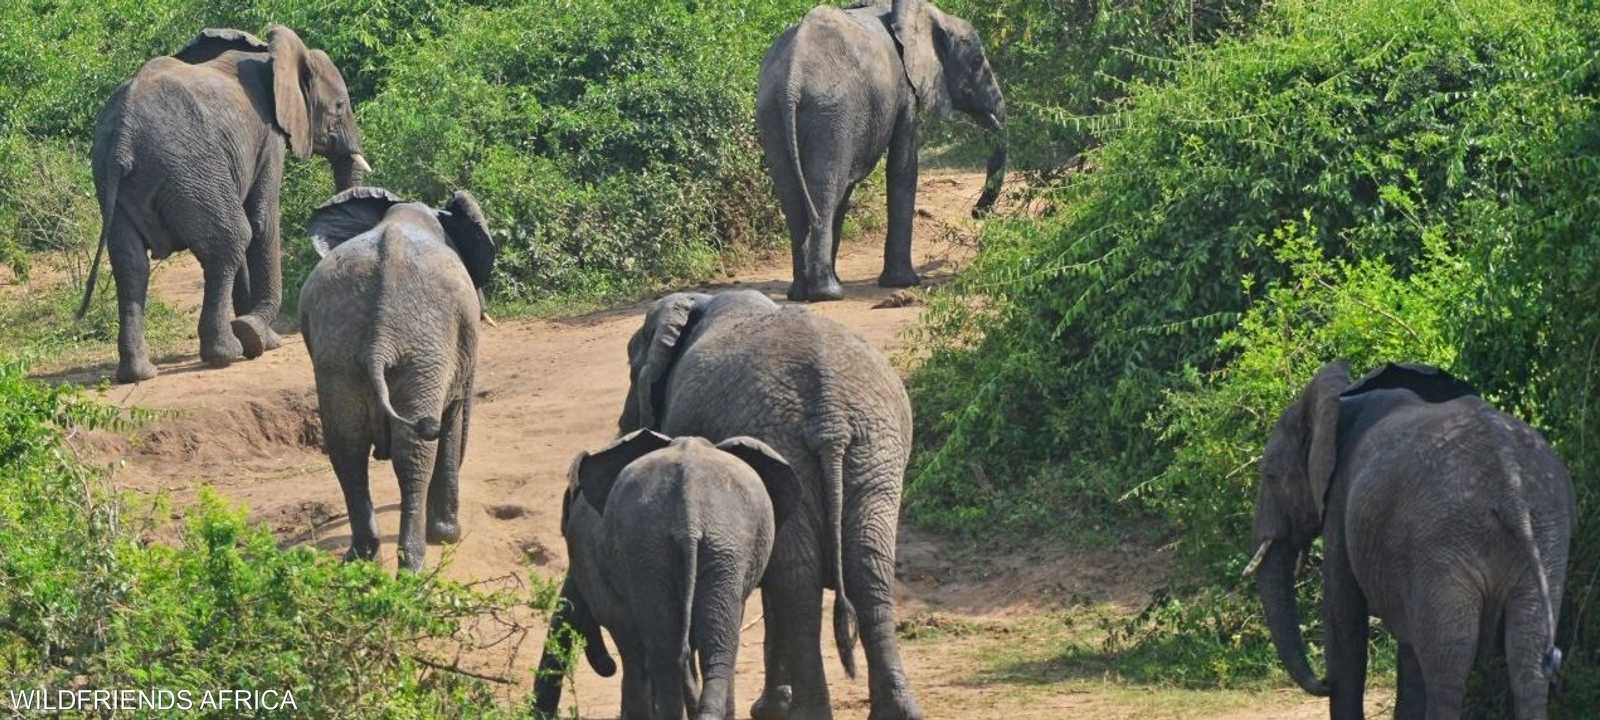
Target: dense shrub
<point>1372,180</point>
<point>86,602</point>
<point>1066,64</point>
<point>610,142</point>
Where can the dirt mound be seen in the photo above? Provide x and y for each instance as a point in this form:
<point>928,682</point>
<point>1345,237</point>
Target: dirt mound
<point>262,426</point>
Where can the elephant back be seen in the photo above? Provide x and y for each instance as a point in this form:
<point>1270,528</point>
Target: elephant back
<point>785,378</point>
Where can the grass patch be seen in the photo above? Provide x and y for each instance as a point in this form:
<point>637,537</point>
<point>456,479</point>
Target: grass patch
<point>37,322</point>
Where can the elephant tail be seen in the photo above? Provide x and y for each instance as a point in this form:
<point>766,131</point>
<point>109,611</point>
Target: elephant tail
<point>844,614</point>
<point>108,211</point>
<point>691,676</point>
<point>426,428</point>
<point>791,112</point>
<point>1520,522</point>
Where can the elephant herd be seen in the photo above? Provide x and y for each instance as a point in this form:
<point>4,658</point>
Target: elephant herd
<point>763,445</point>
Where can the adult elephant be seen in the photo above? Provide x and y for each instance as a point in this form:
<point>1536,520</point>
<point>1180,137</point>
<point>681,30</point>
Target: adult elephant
<point>1443,516</point>
<point>189,155</point>
<point>732,364</point>
<point>843,88</point>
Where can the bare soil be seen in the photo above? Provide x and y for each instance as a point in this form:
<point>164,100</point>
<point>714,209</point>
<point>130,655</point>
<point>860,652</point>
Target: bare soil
<point>548,388</point>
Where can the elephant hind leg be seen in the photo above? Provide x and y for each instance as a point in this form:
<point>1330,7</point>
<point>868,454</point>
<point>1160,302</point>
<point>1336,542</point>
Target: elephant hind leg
<point>791,594</point>
<point>1527,640</point>
<point>413,460</point>
<point>718,617</point>
<point>1446,644</point>
<point>263,260</point>
<point>869,561</point>
<point>130,266</point>
<point>347,437</point>
<point>218,241</point>
<point>444,490</point>
<point>1410,703</point>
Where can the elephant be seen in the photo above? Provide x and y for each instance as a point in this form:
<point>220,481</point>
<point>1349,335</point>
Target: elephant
<point>666,539</point>
<point>737,364</point>
<point>395,300</point>
<point>843,88</point>
<point>188,154</point>
<point>1443,516</point>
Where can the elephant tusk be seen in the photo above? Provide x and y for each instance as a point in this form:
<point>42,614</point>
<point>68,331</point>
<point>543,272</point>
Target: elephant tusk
<point>1255,562</point>
<point>488,320</point>
<point>361,163</point>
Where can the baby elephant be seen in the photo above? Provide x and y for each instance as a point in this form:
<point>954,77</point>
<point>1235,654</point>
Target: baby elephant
<point>394,304</point>
<point>666,539</point>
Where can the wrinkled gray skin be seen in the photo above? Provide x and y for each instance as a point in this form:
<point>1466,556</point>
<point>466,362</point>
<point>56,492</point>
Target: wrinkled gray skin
<point>720,366</point>
<point>1443,516</point>
<point>842,89</point>
<point>189,155</point>
<point>666,539</point>
<point>390,318</point>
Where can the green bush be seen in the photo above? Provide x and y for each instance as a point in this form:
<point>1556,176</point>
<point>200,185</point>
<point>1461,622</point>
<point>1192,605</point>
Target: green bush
<point>1066,66</point>
<point>611,143</point>
<point>1372,180</point>
<point>87,602</point>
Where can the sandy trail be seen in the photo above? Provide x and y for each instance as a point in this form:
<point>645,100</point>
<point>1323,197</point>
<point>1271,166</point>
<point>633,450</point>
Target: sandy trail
<point>549,388</point>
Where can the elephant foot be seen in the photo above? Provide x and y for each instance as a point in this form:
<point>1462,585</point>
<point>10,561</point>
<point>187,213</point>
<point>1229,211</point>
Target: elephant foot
<point>898,706</point>
<point>254,336</point>
<point>444,533</point>
<point>774,705</point>
<point>816,292</point>
<point>899,279</point>
<point>359,552</point>
<point>134,370</point>
<point>223,352</point>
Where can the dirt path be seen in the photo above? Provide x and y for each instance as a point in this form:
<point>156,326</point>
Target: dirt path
<point>549,388</point>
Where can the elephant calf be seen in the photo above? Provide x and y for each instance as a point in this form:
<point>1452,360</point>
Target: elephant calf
<point>1443,516</point>
<point>666,539</point>
<point>395,300</point>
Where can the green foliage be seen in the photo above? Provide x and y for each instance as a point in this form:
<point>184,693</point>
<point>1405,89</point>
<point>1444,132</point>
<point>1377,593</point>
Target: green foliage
<point>1368,180</point>
<point>610,142</point>
<point>1066,66</point>
<point>85,601</point>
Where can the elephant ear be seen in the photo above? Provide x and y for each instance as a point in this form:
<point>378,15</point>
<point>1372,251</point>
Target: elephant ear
<point>347,215</point>
<point>595,474</point>
<point>469,233</point>
<point>1428,382</point>
<point>1320,414</point>
<point>667,323</point>
<point>289,69</point>
<point>783,486</point>
<point>915,25</point>
<point>212,42</point>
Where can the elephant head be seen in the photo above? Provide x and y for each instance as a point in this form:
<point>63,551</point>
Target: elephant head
<point>593,475</point>
<point>656,345</point>
<point>312,107</point>
<point>651,353</point>
<point>1296,470</point>
<point>359,209</point>
<point>947,68</point>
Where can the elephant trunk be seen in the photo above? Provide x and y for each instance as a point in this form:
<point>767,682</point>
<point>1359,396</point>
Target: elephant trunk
<point>1275,582</point>
<point>995,172</point>
<point>349,170</point>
